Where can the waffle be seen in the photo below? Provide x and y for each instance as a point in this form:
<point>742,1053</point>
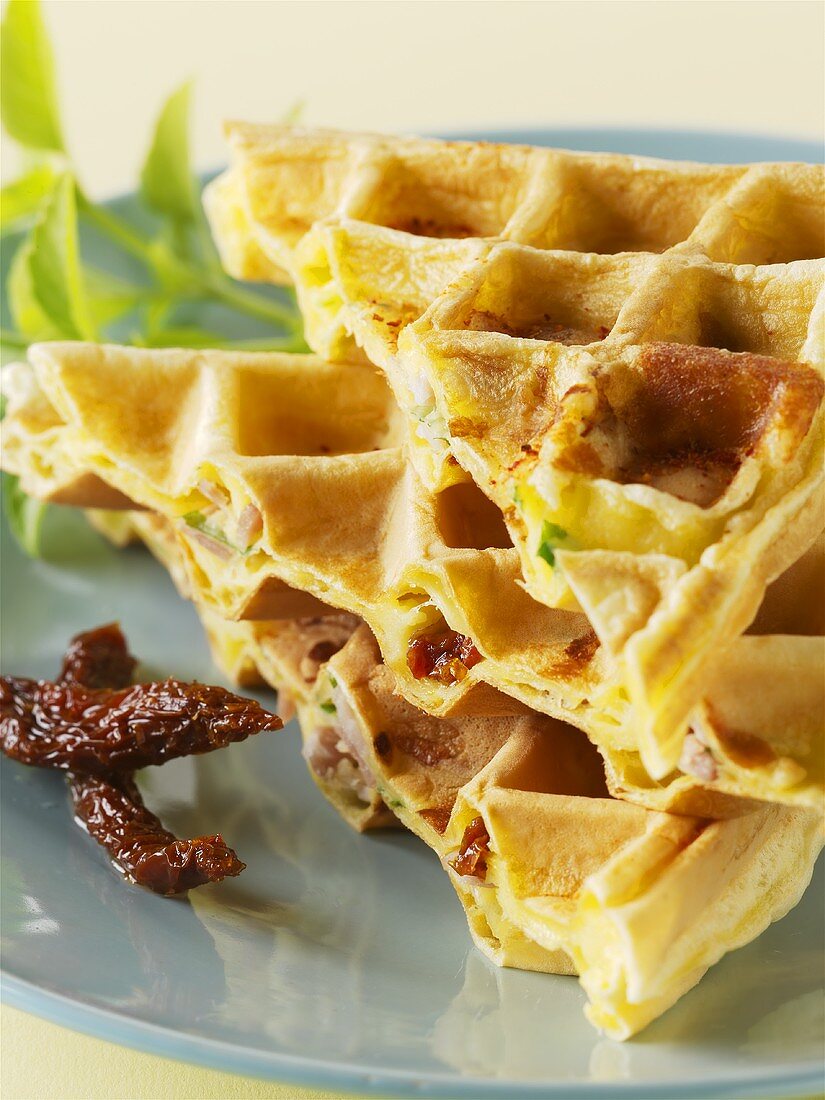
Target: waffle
<point>554,874</point>
<point>547,371</point>
<point>427,207</point>
<point>612,487</point>
<point>285,654</point>
<point>431,575</point>
<point>547,376</point>
<point>285,179</point>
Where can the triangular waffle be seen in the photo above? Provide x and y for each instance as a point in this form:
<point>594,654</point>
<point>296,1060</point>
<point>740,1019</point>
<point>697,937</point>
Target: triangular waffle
<point>553,873</point>
<point>561,426</point>
<point>284,179</point>
<point>286,654</point>
<point>455,627</point>
<point>425,207</point>
<point>548,374</point>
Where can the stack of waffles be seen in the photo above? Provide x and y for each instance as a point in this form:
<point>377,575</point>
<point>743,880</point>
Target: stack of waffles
<point>533,542</point>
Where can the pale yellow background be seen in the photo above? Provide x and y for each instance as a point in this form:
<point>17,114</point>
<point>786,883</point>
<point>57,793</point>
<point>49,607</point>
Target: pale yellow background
<point>409,66</point>
<point>431,65</point>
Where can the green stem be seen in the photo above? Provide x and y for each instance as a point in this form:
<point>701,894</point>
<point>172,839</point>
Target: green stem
<point>118,230</point>
<point>214,283</point>
<point>248,302</point>
<point>282,343</point>
<point>273,343</point>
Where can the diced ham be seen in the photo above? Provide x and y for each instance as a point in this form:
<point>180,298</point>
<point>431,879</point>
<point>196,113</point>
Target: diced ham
<point>328,756</point>
<point>697,760</point>
<point>213,492</point>
<point>250,526</point>
<point>215,546</point>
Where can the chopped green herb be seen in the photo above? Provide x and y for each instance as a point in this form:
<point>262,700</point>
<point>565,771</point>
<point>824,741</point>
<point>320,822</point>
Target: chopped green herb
<point>553,538</point>
<point>328,707</point>
<point>332,680</point>
<point>199,522</point>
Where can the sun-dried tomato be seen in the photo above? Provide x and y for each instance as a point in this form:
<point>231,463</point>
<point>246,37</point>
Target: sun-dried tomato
<point>445,656</point>
<point>472,855</point>
<point>98,659</point>
<point>101,733</point>
<point>111,810</point>
<point>95,730</point>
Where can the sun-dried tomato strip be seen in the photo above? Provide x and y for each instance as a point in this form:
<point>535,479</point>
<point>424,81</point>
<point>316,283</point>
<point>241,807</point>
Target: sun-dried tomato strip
<point>445,656</point>
<point>72,727</point>
<point>99,730</point>
<point>112,812</point>
<point>472,855</point>
<point>98,659</point>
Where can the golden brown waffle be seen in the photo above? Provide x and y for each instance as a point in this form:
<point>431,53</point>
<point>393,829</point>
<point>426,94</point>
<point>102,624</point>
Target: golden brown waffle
<point>549,376</point>
<point>285,654</point>
<point>549,372</point>
<point>561,426</point>
<point>432,575</point>
<point>645,453</point>
<point>284,179</point>
<point>553,873</point>
<point>424,208</point>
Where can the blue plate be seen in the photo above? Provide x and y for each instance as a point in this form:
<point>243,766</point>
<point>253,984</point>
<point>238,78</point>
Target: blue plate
<point>337,960</point>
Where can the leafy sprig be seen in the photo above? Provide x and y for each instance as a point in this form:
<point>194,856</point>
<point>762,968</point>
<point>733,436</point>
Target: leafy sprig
<point>53,292</point>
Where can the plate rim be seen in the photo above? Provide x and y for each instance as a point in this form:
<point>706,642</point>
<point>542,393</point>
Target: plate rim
<point>123,1030</point>
<point>113,1026</point>
<point>528,134</point>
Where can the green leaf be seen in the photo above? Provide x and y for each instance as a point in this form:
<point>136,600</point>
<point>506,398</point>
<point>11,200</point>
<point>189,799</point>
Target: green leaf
<point>166,182</point>
<point>54,263</point>
<point>28,94</point>
<point>553,538</point>
<point>29,317</point>
<point>25,196</point>
<point>24,515</point>
<point>328,707</point>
